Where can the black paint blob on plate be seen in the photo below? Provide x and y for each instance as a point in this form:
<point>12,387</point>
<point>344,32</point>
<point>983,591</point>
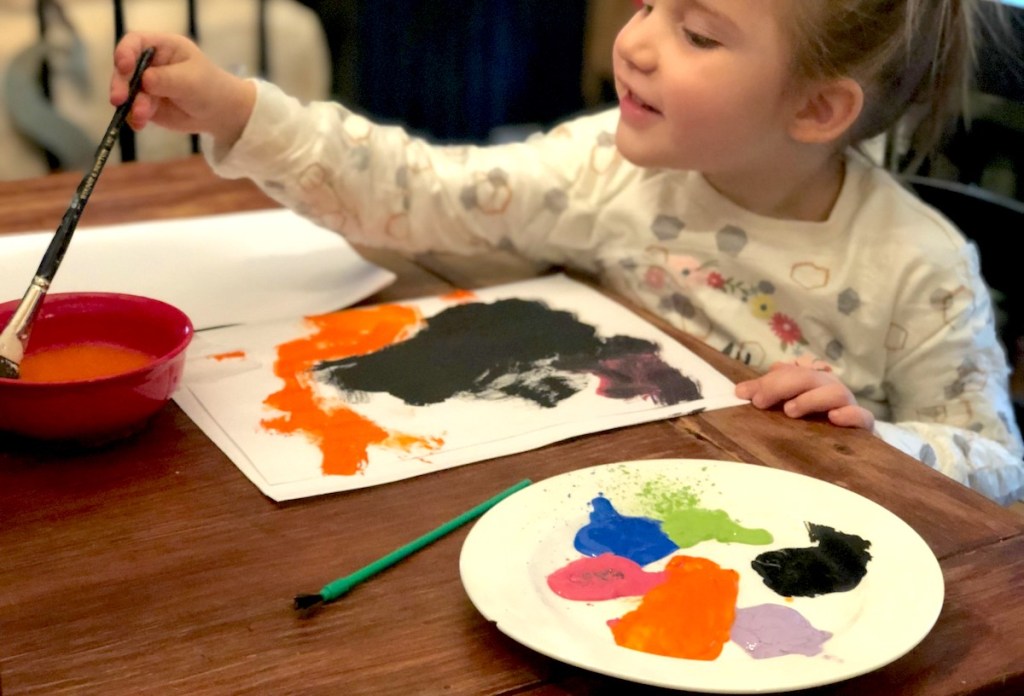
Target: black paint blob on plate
<point>836,564</point>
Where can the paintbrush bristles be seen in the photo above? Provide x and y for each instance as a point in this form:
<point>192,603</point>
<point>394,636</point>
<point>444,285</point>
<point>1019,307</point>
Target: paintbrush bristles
<point>307,604</point>
<point>8,369</point>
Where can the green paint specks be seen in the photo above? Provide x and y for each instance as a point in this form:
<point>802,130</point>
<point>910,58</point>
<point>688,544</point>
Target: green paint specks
<point>662,497</point>
<point>686,523</point>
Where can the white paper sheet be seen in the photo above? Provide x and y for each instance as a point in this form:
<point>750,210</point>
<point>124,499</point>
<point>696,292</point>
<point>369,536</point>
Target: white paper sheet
<point>225,397</point>
<point>220,269</point>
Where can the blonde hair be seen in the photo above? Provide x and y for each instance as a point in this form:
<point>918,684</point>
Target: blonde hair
<point>914,59</point>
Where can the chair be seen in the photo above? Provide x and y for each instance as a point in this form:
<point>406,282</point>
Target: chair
<point>55,62</point>
<point>986,145</point>
<point>994,136</point>
<point>990,220</point>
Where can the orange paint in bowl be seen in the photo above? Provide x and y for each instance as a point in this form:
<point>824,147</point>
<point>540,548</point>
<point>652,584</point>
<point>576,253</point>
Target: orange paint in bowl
<point>81,361</point>
<point>95,410</point>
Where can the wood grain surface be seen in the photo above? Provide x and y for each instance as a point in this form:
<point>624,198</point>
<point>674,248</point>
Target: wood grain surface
<point>154,566</point>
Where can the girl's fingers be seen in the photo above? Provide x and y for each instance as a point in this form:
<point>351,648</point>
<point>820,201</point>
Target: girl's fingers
<point>168,50</point>
<point>745,390</point>
<point>173,81</point>
<point>782,385</point>
<point>142,111</point>
<point>124,65</point>
<point>804,391</point>
<point>852,417</point>
<point>819,400</point>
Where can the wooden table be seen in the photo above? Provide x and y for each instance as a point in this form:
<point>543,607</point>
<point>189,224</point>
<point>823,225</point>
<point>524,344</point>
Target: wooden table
<point>155,567</point>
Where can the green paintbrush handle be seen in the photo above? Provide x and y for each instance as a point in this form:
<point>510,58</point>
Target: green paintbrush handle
<point>333,590</point>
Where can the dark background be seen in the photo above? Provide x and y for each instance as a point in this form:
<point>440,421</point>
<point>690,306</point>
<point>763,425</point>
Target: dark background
<point>453,70</point>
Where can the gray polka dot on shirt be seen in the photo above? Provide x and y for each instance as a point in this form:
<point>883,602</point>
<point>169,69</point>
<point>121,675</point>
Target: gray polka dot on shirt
<point>731,240</point>
<point>849,301</point>
<point>666,227</point>
<point>556,200</point>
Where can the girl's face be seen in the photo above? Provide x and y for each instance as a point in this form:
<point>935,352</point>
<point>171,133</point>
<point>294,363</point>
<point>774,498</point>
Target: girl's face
<point>702,85</point>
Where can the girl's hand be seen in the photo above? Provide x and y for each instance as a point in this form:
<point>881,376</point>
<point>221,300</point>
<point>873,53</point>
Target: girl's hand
<point>804,391</point>
<point>182,89</point>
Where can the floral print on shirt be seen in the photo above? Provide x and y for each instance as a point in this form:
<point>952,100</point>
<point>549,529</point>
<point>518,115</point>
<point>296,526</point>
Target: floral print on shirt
<point>688,272</point>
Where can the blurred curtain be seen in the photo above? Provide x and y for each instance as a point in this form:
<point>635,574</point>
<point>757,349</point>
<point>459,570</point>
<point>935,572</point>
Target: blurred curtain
<point>454,70</point>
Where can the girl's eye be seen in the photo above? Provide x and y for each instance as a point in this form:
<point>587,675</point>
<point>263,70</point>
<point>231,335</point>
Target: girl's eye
<point>644,7</point>
<point>699,40</point>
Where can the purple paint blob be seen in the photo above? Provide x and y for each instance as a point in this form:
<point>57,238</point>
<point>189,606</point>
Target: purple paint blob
<point>605,577</point>
<point>774,630</point>
<point>639,539</point>
<point>644,375</point>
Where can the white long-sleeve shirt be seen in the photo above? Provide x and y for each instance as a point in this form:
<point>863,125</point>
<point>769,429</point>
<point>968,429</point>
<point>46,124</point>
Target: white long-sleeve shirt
<point>885,292</point>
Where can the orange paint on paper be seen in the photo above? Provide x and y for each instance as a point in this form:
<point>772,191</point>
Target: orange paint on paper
<point>460,295</point>
<point>81,361</point>
<point>342,435</point>
<point>689,615</point>
<point>230,355</point>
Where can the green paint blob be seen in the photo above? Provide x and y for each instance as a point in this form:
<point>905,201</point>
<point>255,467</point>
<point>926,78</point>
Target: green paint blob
<point>689,527</point>
<point>686,523</point>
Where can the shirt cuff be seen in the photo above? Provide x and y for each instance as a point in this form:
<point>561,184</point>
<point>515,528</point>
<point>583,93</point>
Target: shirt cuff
<point>275,123</point>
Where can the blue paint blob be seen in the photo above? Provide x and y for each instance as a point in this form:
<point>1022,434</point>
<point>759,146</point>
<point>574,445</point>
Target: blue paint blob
<point>639,539</point>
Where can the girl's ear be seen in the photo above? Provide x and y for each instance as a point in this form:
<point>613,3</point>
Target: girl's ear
<point>827,111</point>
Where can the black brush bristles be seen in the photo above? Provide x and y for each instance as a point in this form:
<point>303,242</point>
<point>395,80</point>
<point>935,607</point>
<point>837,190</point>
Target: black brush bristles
<point>8,369</point>
<point>307,604</point>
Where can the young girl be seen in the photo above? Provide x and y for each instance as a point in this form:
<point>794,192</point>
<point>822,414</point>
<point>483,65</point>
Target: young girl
<point>725,192</point>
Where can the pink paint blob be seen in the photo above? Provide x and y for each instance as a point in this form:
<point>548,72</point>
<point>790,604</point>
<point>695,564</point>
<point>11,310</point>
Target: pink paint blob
<point>603,577</point>
<point>773,630</point>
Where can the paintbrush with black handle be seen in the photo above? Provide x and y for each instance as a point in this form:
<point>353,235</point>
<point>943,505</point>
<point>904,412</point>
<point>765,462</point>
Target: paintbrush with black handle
<point>14,337</point>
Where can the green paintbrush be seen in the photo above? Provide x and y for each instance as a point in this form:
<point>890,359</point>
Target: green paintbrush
<point>307,603</point>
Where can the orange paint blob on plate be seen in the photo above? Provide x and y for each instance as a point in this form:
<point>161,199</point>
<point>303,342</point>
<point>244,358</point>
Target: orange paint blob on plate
<point>690,615</point>
<point>81,361</point>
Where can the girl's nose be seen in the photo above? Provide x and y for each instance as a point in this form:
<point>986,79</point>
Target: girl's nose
<point>634,44</point>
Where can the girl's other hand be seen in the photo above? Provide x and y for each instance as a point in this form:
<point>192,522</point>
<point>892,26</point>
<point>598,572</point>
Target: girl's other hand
<point>182,90</point>
<point>803,391</point>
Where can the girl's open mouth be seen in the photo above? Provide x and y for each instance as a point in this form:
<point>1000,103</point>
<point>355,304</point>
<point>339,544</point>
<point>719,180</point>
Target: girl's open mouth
<point>641,103</point>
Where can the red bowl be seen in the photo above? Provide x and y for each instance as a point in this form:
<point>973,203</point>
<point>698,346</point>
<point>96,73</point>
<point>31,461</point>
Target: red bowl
<point>95,411</point>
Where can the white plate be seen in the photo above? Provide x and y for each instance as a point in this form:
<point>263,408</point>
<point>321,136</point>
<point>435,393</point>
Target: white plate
<point>510,552</point>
